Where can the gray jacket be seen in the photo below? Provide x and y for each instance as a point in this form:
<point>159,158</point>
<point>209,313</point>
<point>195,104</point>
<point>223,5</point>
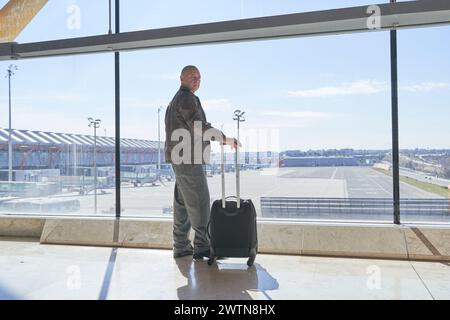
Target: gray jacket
<point>183,111</point>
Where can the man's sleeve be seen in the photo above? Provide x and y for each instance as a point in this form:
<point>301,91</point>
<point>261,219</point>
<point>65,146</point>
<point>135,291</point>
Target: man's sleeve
<point>188,109</point>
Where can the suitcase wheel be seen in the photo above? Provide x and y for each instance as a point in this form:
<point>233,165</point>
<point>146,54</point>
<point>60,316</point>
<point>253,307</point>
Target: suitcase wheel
<point>250,261</point>
<point>252,257</point>
<point>212,257</point>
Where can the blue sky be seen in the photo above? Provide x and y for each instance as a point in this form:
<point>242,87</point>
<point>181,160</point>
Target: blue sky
<point>303,93</point>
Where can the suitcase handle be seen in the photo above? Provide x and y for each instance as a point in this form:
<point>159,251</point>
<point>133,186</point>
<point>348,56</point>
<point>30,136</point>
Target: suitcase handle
<point>231,214</point>
<point>222,166</point>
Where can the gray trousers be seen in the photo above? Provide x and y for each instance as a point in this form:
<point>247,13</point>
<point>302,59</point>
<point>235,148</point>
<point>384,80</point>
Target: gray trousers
<point>191,207</point>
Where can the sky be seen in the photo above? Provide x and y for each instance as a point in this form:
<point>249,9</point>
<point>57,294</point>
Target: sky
<point>320,92</point>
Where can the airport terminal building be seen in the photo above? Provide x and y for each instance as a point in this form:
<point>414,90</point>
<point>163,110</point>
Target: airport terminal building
<point>70,153</point>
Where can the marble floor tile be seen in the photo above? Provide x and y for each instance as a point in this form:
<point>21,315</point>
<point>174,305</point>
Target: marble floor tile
<point>29,270</point>
<point>436,277</point>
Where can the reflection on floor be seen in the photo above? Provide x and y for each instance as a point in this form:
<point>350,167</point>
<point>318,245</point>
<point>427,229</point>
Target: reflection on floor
<point>29,270</point>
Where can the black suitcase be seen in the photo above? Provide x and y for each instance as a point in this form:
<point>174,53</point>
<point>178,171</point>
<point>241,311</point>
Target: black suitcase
<point>232,227</point>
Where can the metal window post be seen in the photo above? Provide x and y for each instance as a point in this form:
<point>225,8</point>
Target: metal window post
<point>9,131</point>
<point>395,143</point>
<point>96,124</point>
<point>159,141</point>
<point>10,72</point>
<point>117,114</point>
<point>95,169</point>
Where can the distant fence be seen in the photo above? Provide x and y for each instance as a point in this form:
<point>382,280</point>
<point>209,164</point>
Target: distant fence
<point>293,207</point>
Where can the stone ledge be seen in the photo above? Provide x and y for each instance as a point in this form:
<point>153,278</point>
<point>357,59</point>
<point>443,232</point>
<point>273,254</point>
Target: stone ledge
<point>356,241</point>
<point>340,239</point>
<point>27,227</point>
<point>427,243</point>
<point>133,233</point>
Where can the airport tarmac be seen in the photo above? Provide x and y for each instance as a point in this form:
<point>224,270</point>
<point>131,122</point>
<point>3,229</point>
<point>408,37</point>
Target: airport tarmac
<point>320,182</point>
<point>316,182</point>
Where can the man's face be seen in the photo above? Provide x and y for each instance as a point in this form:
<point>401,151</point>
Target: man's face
<point>191,80</point>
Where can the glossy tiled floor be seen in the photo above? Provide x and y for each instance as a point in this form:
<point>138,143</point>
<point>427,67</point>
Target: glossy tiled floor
<point>29,270</point>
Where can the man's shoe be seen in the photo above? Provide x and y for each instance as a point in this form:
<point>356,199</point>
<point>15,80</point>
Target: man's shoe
<point>182,254</point>
<point>201,255</point>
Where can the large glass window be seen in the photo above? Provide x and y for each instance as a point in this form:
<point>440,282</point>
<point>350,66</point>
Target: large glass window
<point>60,164</point>
<point>424,110</point>
<point>317,135</point>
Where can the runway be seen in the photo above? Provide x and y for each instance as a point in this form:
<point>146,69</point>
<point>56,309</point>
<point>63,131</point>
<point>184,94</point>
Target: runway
<point>299,182</point>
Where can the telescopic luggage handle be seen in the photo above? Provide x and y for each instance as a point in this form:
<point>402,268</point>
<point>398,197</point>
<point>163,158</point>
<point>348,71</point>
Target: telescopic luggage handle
<point>222,165</point>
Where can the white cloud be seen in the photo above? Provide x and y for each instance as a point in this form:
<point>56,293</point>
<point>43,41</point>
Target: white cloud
<point>217,104</point>
<point>356,87</point>
<point>48,97</point>
<point>307,115</point>
<point>365,87</point>
<point>208,105</point>
<point>170,76</point>
<point>139,103</point>
<point>425,86</point>
<point>289,119</point>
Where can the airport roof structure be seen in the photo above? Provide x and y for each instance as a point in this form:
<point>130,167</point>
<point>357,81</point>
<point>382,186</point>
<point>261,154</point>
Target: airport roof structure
<point>407,14</point>
<point>28,137</point>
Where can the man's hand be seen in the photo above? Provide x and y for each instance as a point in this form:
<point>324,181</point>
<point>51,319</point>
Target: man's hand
<point>232,142</point>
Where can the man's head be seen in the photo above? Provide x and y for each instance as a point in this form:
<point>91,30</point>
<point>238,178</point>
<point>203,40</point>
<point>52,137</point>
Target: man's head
<point>190,78</point>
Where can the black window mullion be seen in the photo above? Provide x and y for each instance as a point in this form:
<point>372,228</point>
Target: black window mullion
<point>395,143</point>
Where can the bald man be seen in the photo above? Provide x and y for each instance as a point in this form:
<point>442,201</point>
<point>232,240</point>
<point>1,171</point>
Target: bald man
<point>187,148</point>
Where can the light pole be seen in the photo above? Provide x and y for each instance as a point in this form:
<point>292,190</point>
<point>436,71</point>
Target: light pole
<point>96,124</point>
<point>222,159</point>
<point>239,117</point>
<point>159,140</point>
<point>10,72</point>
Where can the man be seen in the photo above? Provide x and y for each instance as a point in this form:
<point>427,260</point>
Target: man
<point>186,119</point>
